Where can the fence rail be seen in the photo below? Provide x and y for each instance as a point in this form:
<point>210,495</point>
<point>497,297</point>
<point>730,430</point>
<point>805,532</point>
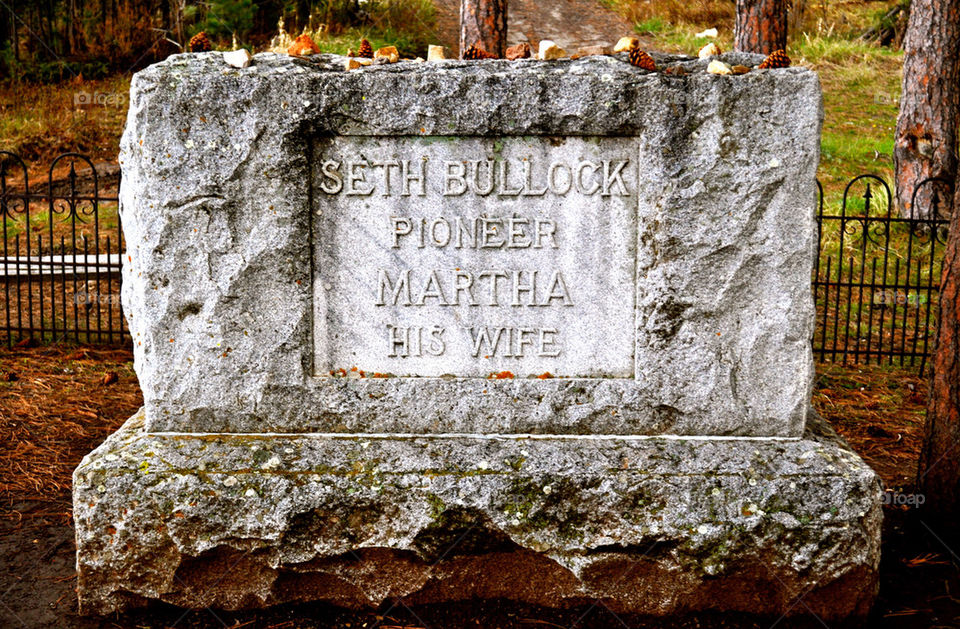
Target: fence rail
<point>60,259</point>
<point>876,278</point>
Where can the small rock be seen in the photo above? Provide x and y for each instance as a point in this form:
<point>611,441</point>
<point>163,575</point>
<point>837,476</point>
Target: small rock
<point>739,69</point>
<point>718,67</point>
<point>238,58</point>
<point>710,50</point>
<point>520,51</point>
<point>626,44</point>
<point>594,50</point>
<point>302,46</point>
<point>355,63</point>
<point>437,53</point>
<point>549,50</point>
<point>387,52</point>
<point>710,32</point>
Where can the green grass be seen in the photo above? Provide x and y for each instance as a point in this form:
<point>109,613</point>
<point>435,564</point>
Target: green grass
<point>861,91</point>
<point>651,26</point>
<point>409,45</point>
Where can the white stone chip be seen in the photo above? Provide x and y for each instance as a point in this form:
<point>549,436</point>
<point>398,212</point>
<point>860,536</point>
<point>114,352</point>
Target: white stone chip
<point>240,58</point>
<point>710,50</point>
<point>549,50</point>
<point>718,67</point>
<point>626,44</point>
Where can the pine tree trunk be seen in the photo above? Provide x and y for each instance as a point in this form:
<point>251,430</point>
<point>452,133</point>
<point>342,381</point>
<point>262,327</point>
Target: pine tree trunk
<point>483,23</point>
<point>926,140</point>
<point>761,26</point>
<point>938,476</point>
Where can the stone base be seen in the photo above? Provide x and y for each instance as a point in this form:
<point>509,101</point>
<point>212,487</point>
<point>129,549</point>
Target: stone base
<point>647,526</point>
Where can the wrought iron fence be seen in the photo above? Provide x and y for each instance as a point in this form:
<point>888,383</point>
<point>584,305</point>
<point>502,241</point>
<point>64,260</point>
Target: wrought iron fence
<point>876,278</point>
<point>877,275</point>
<point>61,253</point>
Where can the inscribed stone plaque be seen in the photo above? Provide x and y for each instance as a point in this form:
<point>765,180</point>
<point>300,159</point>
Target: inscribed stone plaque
<point>475,256</point>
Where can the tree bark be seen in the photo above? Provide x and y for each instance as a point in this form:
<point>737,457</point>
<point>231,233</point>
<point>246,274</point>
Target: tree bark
<point>483,23</point>
<point>761,26</point>
<point>938,476</point>
<point>925,144</point>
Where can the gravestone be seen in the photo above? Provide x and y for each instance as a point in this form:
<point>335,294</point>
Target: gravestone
<point>525,330</point>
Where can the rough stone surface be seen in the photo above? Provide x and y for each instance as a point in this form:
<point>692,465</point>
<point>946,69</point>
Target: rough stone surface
<point>651,526</point>
<point>219,279</point>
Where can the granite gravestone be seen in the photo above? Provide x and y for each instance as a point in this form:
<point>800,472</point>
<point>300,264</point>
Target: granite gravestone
<point>400,325</point>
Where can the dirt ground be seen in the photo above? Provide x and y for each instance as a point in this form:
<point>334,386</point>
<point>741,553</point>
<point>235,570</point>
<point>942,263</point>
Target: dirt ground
<point>58,403</point>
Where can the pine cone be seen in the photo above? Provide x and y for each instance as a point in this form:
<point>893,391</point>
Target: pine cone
<point>642,60</point>
<point>475,52</point>
<point>366,50</point>
<point>777,59</point>
<point>200,43</point>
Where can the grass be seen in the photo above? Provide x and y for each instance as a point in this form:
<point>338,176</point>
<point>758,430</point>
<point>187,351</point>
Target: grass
<point>38,122</point>
<point>651,26</point>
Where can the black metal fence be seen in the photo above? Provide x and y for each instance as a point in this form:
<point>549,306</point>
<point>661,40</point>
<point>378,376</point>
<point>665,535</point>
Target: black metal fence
<point>877,275</point>
<point>876,279</point>
<point>61,253</point>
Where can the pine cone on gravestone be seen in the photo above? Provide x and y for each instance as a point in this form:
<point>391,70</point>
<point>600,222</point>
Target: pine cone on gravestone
<point>475,52</point>
<point>200,42</point>
<point>366,50</point>
<point>777,59</point>
<point>642,60</point>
